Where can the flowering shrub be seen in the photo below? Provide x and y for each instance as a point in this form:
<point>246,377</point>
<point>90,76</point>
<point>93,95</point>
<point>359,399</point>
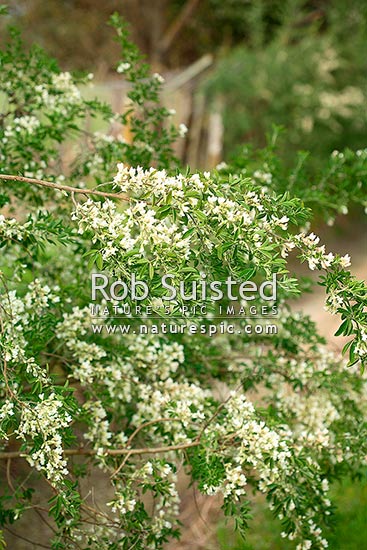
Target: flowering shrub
<point>307,77</point>
<point>139,407</point>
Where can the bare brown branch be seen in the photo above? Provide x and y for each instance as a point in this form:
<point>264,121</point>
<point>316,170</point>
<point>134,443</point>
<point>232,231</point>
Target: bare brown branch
<point>60,187</point>
<point>110,452</point>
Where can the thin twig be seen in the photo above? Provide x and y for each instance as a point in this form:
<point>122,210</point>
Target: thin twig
<point>39,544</point>
<point>138,429</point>
<point>217,411</point>
<point>149,423</point>
<point>59,187</point>
<point>8,474</point>
<point>110,452</point>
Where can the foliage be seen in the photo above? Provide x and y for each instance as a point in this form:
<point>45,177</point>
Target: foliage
<point>348,532</point>
<point>140,405</point>
<point>338,185</point>
<point>79,40</point>
<point>309,79</point>
<point>46,109</point>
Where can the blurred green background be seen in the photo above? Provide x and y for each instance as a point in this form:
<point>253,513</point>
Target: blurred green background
<point>298,64</point>
<point>349,531</point>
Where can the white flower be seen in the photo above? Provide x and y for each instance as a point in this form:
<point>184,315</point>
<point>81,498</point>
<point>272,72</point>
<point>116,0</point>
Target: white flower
<point>123,67</point>
<point>327,260</point>
<point>343,210</point>
<point>325,485</point>
<point>265,177</point>
<point>182,130</point>
<point>159,78</point>
<point>345,261</point>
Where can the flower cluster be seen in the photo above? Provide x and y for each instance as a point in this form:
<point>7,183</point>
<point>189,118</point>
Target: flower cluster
<point>316,255</point>
<point>46,419</point>
<point>60,94</point>
<point>26,124</point>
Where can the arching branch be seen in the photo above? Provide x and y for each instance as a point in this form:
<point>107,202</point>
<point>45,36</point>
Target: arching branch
<point>59,187</point>
<point>110,452</point>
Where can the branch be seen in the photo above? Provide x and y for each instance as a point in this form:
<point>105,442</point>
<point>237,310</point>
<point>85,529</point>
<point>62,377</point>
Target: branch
<point>32,542</point>
<point>59,187</point>
<point>149,423</point>
<point>177,25</point>
<point>109,452</point>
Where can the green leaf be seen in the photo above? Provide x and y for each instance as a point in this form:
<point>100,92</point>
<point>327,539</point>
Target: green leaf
<point>343,329</point>
<point>189,232</point>
<point>4,199</point>
<point>99,261</point>
<point>200,215</point>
